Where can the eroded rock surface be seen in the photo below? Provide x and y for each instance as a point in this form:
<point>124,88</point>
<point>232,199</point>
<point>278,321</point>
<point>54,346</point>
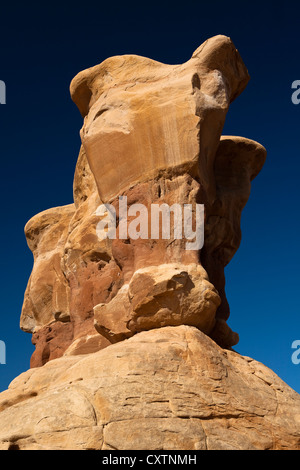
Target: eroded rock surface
<point>151,134</point>
<point>133,346</point>
<point>168,388</point>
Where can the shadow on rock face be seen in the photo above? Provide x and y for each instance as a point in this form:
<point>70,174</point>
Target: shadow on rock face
<point>152,133</point>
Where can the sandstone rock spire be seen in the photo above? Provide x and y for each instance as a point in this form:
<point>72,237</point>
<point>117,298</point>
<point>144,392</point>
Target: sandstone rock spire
<point>133,348</point>
<point>151,133</point>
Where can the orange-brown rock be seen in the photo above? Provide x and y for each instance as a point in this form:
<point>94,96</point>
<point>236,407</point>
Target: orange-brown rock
<point>156,296</point>
<point>65,285</point>
<point>238,161</point>
<point>152,134</point>
<point>143,117</point>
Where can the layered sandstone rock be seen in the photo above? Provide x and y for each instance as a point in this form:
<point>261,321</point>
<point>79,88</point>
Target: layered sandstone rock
<point>168,388</point>
<point>169,294</point>
<point>151,134</point>
<point>144,117</point>
<point>73,271</point>
<point>133,349</point>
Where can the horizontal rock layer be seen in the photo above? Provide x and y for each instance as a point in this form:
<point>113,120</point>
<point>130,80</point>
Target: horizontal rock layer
<point>164,389</point>
<point>152,134</point>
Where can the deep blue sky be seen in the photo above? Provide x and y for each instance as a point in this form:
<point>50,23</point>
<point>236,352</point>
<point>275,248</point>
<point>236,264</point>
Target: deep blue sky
<point>42,47</point>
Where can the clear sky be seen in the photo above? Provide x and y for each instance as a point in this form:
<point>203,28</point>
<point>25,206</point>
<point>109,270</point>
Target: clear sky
<point>43,46</point>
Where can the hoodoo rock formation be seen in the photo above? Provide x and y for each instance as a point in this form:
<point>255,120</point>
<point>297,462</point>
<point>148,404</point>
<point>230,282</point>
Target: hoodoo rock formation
<point>133,349</point>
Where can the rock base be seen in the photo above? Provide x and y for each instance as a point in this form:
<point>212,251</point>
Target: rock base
<point>171,388</point>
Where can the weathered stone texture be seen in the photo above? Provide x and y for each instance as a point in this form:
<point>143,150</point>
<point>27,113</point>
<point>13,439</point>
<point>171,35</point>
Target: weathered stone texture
<point>133,349</point>
<point>168,388</point>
